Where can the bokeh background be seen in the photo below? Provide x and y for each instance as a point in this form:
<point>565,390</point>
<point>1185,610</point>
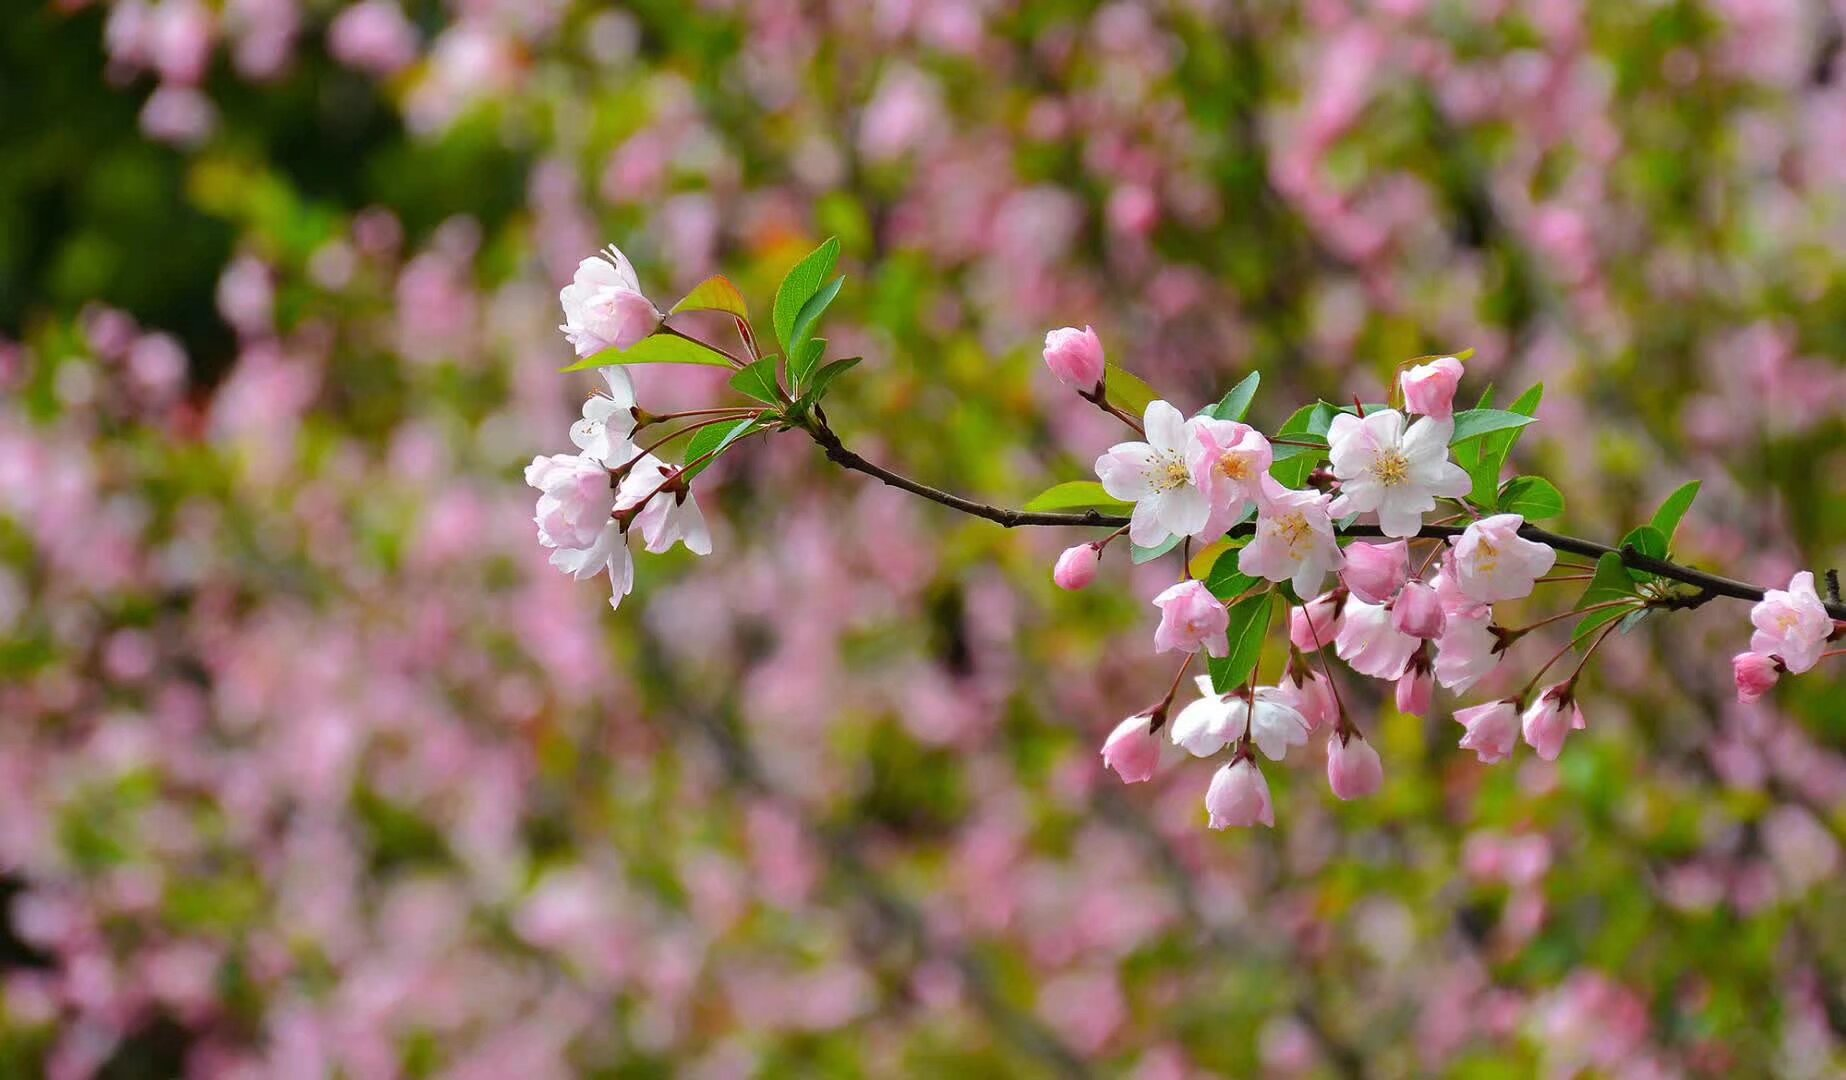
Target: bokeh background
<point>310,766</point>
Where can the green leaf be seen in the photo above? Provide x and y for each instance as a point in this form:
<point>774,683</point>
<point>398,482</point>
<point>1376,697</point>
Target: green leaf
<point>714,440</point>
<point>804,280</point>
<point>817,386</point>
<point>1148,554</point>
<point>1249,626</point>
<point>1531,497</point>
<point>1226,582</point>
<point>1485,458</point>
<point>1667,518</point>
<point>1236,404</point>
<point>1611,582</point>
<point>714,294</point>
<point>1474,423</point>
<point>657,349</point>
<point>1292,464</point>
<point>807,320</point>
<point>1126,391</point>
<point>805,359</point>
<point>1645,540</point>
<point>758,381</point>
<point>1076,495</point>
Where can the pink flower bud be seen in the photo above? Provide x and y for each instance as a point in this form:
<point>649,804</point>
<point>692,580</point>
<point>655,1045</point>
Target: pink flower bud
<point>1075,357</point>
<point>1239,796</point>
<point>1374,572</point>
<point>1310,695</point>
<point>1316,624</point>
<point>1415,689</point>
<point>1131,750</point>
<point>1191,618</point>
<point>1756,675</point>
<point>1353,768</point>
<point>1418,611</point>
<point>1430,388</point>
<point>1076,567</point>
<point>1549,719</point>
<point>1491,730</point>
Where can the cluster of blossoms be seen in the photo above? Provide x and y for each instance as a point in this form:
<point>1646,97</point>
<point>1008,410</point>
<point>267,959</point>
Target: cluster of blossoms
<point>1792,632</point>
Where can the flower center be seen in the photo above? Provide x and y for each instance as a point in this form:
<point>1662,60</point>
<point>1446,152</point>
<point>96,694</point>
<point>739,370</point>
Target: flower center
<point>1171,472</point>
<point>1294,530</point>
<point>1234,467</point>
<point>1391,468</point>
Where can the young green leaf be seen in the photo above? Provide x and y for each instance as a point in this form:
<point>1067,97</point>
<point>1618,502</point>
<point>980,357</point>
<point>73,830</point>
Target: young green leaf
<point>1248,627</point>
<point>1474,423</point>
<point>714,294</point>
<point>1531,497</point>
<point>1148,554</point>
<point>1610,582</point>
<point>809,318</point>
<point>1127,392</point>
<point>803,281</point>
<point>805,359</point>
<point>1667,518</point>
<point>1485,458</point>
<point>817,386</point>
<point>1646,540</point>
<point>713,441</point>
<point>657,349</point>
<point>1292,464</point>
<point>758,381</point>
<point>1076,495</point>
<point>1236,404</point>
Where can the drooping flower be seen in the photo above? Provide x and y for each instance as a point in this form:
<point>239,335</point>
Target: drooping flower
<point>1075,357</point>
<point>604,307</point>
<point>1417,611</point>
<point>1430,388</point>
<point>608,421</point>
<point>575,498</point>
<point>1490,729</point>
<point>1353,768</point>
<point>1191,618</point>
<point>1492,562</point>
<point>1076,566</point>
<point>1294,539</point>
<point>1415,687</point>
<point>1370,644</point>
<point>1468,648</point>
<point>1155,477</point>
<point>1215,720</point>
<point>1305,691</point>
<point>1756,675</point>
<point>1398,473</point>
<point>1132,750</point>
<point>1229,463</point>
<point>668,516</point>
<point>1791,624</point>
<point>609,553</point>
<point>1374,572</point>
<point>1552,716</point>
<point>1239,796</point>
<point>1316,624</point>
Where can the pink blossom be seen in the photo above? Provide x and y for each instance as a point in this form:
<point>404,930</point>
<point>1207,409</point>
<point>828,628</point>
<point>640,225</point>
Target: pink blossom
<point>1294,539</point>
<point>1370,644</point>
<point>608,420</point>
<point>1309,694</point>
<point>1398,472</point>
<point>1417,611</point>
<point>1756,675</point>
<point>1191,618</point>
<point>1791,624</point>
<point>1468,648</point>
<point>1491,729</point>
<point>373,36</point>
<point>1353,768</point>
<point>1230,463</point>
<point>1075,357</point>
<point>1430,388</point>
<point>667,516</point>
<point>1239,796</point>
<point>1316,624</point>
<point>181,115</point>
<point>1132,750</point>
<point>1154,476</point>
<point>1415,687</point>
<point>575,501</point>
<point>1552,716</point>
<point>603,305</point>
<point>1493,562</point>
<point>1076,567</point>
<point>1268,715</point>
<point>1374,572</point>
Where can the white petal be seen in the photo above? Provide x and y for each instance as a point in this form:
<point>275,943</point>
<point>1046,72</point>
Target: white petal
<point>1166,426</point>
<point>1125,470</point>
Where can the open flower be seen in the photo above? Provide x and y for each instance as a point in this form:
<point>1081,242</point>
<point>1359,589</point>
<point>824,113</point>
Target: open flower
<point>1491,561</point>
<point>1491,730</point>
<point>1229,463</point>
<point>609,553</point>
<point>1191,618</point>
<point>668,516</point>
<point>1369,643</point>
<point>1132,750</point>
<point>1155,477</point>
<point>603,305</point>
<point>1468,648</point>
<point>1294,539</point>
<point>1239,796</point>
<point>1552,716</point>
<point>574,501</point>
<point>1215,720</point>
<point>608,421</point>
<point>1791,624</point>
<point>1383,467</point>
<point>1305,691</point>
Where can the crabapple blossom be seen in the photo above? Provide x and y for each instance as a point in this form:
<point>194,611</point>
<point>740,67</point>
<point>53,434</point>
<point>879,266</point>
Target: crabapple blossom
<point>1430,388</point>
<point>1268,714</point>
<point>1791,624</point>
<point>1417,611</point>
<point>1415,687</point>
<point>1132,750</point>
<point>608,421</point>
<point>1353,768</point>
<point>1370,644</point>
<point>1076,566</point>
<point>1239,796</point>
<point>665,516</point>
<point>1490,729</point>
<point>1155,477</point>
<point>1374,572</point>
<point>1316,624</point>
<point>608,554</point>
<point>1275,723</point>
<point>1468,648</point>
<point>604,307</point>
<point>1756,675</point>
<point>1550,717</point>
<point>1076,357</point>
<point>1396,471</point>
<point>1492,562</point>
<point>1294,539</point>
<point>575,499</point>
<point>1309,694</point>
<point>1191,618</point>
<point>1230,464</point>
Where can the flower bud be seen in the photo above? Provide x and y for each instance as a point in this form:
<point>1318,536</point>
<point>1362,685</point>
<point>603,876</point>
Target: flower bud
<point>1132,750</point>
<point>1075,357</point>
<point>1317,623</point>
<point>1549,719</point>
<point>1418,611</point>
<point>1239,796</point>
<point>1756,675</point>
<point>1491,730</point>
<point>1353,768</point>
<point>1415,688</point>
<point>1076,567</point>
<point>1191,618</point>
<point>1430,388</point>
<point>1374,572</point>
